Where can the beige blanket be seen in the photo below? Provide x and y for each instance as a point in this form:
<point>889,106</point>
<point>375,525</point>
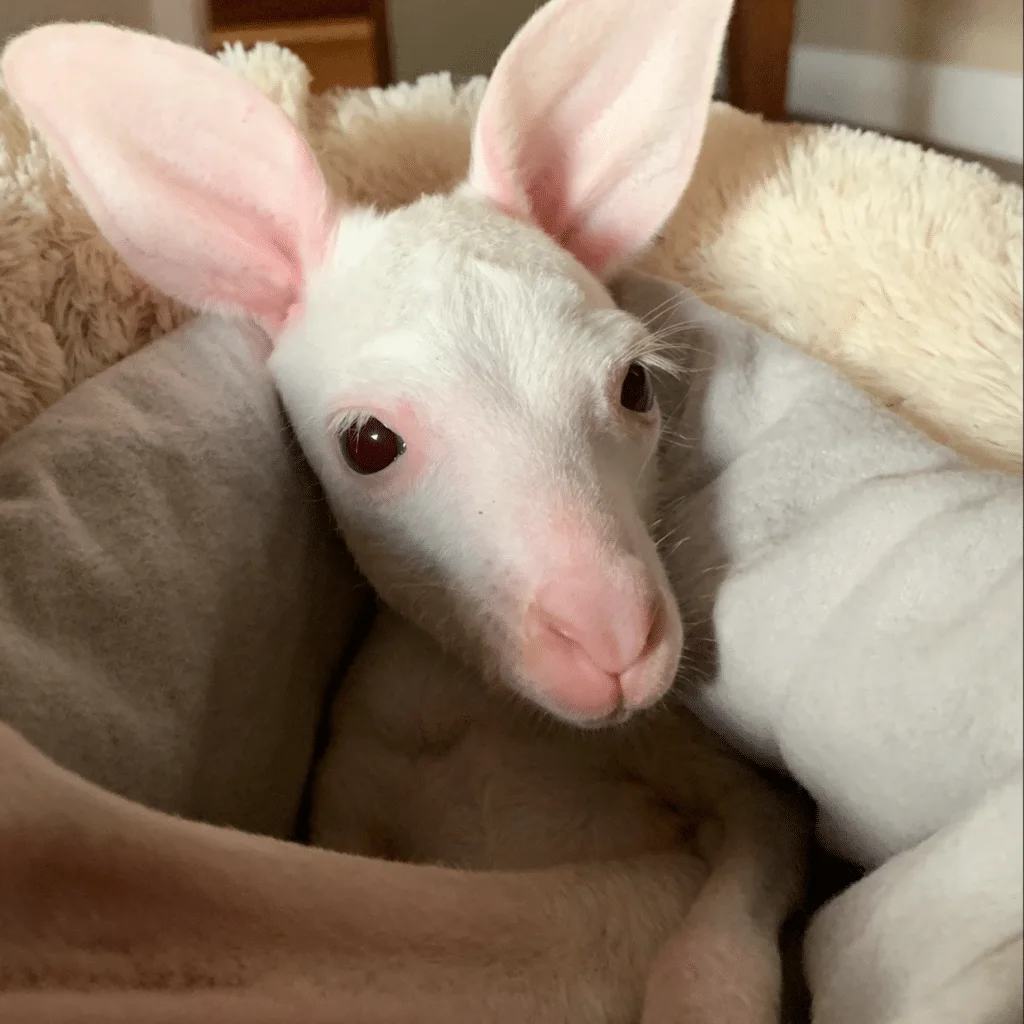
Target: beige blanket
<point>901,267</point>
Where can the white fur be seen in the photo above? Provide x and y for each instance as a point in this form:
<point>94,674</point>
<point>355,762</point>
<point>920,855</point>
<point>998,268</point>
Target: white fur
<point>515,348</point>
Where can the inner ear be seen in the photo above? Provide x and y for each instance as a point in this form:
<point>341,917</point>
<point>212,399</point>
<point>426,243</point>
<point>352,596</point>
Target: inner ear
<point>593,118</point>
<point>199,181</point>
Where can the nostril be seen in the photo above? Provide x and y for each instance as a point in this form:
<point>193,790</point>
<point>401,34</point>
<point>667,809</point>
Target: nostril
<point>554,631</point>
<point>555,634</point>
<point>568,631</point>
<point>614,637</point>
<point>655,629</point>
<point>564,670</point>
<point>633,631</point>
<point>563,657</point>
<point>649,626</point>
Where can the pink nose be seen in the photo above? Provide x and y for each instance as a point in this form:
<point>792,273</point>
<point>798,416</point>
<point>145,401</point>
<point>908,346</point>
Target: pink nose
<point>594,645</point>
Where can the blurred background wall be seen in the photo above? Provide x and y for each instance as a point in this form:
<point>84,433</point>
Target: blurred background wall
<point>946,72</point>
<point>940,71</point>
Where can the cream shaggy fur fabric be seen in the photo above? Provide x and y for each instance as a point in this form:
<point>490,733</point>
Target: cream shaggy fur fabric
<point>901,267</point>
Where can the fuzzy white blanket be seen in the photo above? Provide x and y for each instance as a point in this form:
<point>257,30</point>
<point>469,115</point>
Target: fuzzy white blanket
<point>901,267</point>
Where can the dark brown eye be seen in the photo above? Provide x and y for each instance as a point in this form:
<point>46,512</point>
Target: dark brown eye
<point>369,447</point>
<point>637,392</point>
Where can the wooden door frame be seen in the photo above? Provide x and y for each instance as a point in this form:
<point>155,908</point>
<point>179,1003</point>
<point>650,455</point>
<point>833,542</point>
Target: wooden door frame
<point>758,53</point>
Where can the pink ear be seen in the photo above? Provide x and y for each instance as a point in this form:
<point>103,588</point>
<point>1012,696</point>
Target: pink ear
<point>202,185</point>
<point>594,116</point>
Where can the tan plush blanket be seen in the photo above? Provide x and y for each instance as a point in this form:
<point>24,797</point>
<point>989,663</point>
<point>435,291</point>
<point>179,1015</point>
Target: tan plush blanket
<point>901,267</point>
